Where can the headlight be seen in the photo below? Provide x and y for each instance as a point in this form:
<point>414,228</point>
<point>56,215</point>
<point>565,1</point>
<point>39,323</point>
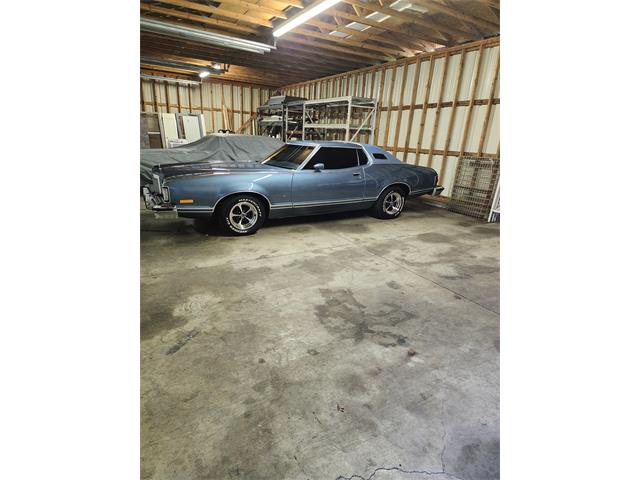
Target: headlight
<point>165,194</point>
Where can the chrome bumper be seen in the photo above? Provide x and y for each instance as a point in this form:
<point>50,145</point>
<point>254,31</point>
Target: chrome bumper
<point>153,201</point>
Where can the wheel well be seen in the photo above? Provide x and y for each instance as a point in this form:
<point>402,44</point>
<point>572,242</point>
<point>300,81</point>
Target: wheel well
<point>258,196</point>
<point>403,186</point>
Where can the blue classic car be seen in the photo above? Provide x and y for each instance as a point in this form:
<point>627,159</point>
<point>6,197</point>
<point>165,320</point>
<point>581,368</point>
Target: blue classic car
<point>300,178</point>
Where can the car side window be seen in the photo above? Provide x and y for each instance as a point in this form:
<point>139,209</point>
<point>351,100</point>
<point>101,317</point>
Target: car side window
<point>334,158</point>
<point>362,157</point>
<point>380,156</point>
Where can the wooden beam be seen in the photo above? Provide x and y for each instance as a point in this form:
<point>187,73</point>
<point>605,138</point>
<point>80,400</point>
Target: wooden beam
<point>423,114</point>
<point>414,94</point>
<point>219,12</point>
<point>415,19</point>
<point>436,121</point>
<point>221,24</point>
<point>405,74</point>
<point>142,103</point>
<point>390,102</point>
<point>362,35</point>
<point>469,47</point>
<point>455,13</point>
<point>472,96</point>
<point>284,64</point>
<point>487,115</point>
<point>349,63</point>
<point>398,29</point>
<point>274,12</point>
<point>379,102</point>
<point>295,38</point>
<point>343,41</point>
<point>452,117</point>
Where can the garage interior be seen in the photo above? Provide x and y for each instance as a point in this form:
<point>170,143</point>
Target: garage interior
<point>335,346</point>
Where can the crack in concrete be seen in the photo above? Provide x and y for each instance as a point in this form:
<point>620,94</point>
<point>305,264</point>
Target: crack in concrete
<point>442,471</point>
<point>397,469</point>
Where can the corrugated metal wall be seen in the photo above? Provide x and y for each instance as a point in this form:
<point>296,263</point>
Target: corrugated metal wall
<point>431,107</point>
<point>207,98</point>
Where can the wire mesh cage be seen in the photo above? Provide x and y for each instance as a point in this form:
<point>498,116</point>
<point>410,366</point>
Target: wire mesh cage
<point>474,186</point>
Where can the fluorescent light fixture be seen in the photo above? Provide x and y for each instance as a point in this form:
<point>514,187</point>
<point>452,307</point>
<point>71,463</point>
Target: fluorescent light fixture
<point>306,14</point>
<point>217,66</point>
<point>204,74</point>
<point>169,80</point>
<point>183,32</point>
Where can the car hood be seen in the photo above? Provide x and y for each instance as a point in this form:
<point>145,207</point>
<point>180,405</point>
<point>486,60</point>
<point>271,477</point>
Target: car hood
<point>174,170</point>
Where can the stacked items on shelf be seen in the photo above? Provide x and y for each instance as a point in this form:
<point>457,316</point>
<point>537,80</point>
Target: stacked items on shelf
<point>281,117</point>
<point>339,118</point>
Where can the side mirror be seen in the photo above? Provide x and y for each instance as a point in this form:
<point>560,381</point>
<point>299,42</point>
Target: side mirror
<point>318,166</point>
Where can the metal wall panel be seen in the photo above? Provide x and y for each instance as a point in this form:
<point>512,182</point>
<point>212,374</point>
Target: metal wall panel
<point>207,98</point>
<point>447,127</point>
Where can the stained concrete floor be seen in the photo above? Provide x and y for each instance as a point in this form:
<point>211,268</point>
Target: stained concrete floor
<point>285,355</point>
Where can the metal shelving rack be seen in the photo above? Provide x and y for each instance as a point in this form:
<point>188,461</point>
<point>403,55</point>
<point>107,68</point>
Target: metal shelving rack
<point>281,118</point>
<point>339,118</point>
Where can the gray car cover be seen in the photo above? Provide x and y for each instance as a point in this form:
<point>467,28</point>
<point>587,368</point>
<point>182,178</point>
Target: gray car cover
<point>216,147</point>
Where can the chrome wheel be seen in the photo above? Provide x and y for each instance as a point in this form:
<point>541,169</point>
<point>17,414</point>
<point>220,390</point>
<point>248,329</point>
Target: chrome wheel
<point>243,215</point>
<point>392,203</point>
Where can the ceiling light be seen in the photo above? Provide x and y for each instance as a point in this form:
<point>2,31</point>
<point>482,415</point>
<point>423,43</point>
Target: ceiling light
<point>306,14</point>
<point>217,66</point>
<point>204,73</point>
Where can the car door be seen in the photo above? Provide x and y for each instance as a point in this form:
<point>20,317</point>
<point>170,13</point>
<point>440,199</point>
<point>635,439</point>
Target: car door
<point>341,181</point>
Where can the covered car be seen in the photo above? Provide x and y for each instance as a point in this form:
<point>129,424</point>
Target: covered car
<point>217,148</point>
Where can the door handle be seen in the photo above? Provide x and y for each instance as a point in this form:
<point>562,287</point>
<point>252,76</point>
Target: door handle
<point>356,174</point>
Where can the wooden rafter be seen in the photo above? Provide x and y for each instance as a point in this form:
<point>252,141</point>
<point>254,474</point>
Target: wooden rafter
<point>343,41</point>
<point>455,13</point>
<point>219,12</point>
<point>255,7</point>
<point>415,19</point>
<point>296,38</point>
<point>215,22</point>
<point>398,29</point>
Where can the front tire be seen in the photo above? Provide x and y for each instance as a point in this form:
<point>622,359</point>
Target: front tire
<point>390,203</point>
<point>241,215</point>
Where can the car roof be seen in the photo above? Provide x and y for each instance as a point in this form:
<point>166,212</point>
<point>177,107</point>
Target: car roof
<point>338,143</point>
<point>371,149</point>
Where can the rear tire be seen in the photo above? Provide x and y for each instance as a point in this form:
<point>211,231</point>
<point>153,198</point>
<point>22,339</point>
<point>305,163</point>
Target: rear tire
<point>241,215</point>
<point>390,203</point>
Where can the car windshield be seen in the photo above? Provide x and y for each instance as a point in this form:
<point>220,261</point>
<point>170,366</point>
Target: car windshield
<point>289,156</point>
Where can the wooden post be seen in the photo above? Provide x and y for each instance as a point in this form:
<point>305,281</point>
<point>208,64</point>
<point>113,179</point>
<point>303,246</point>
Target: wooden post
<point>155,97</point>
<point>485,123</point>
<point>251,103</point>
<point>166,96</point>
<point>423,114</point>
<point>389,105</point>
<point>452,117</point>
<point>201,102</point>
<point>211,103</point>
<point>414,94</point>
<point>189,92</point>
<point>141,96</point>
<point>178,95</point>
<point>436,122</point>
<point>241,104</point>
<point>472,97</point>
<point>405,74</point>
<point>379,105</point>
<point>233,120</point>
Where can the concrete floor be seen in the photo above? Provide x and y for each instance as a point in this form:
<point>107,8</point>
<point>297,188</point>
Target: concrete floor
<point>285,355</point>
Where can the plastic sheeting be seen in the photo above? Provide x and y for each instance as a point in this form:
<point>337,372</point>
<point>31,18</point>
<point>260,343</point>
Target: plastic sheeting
<point>211,148</point>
